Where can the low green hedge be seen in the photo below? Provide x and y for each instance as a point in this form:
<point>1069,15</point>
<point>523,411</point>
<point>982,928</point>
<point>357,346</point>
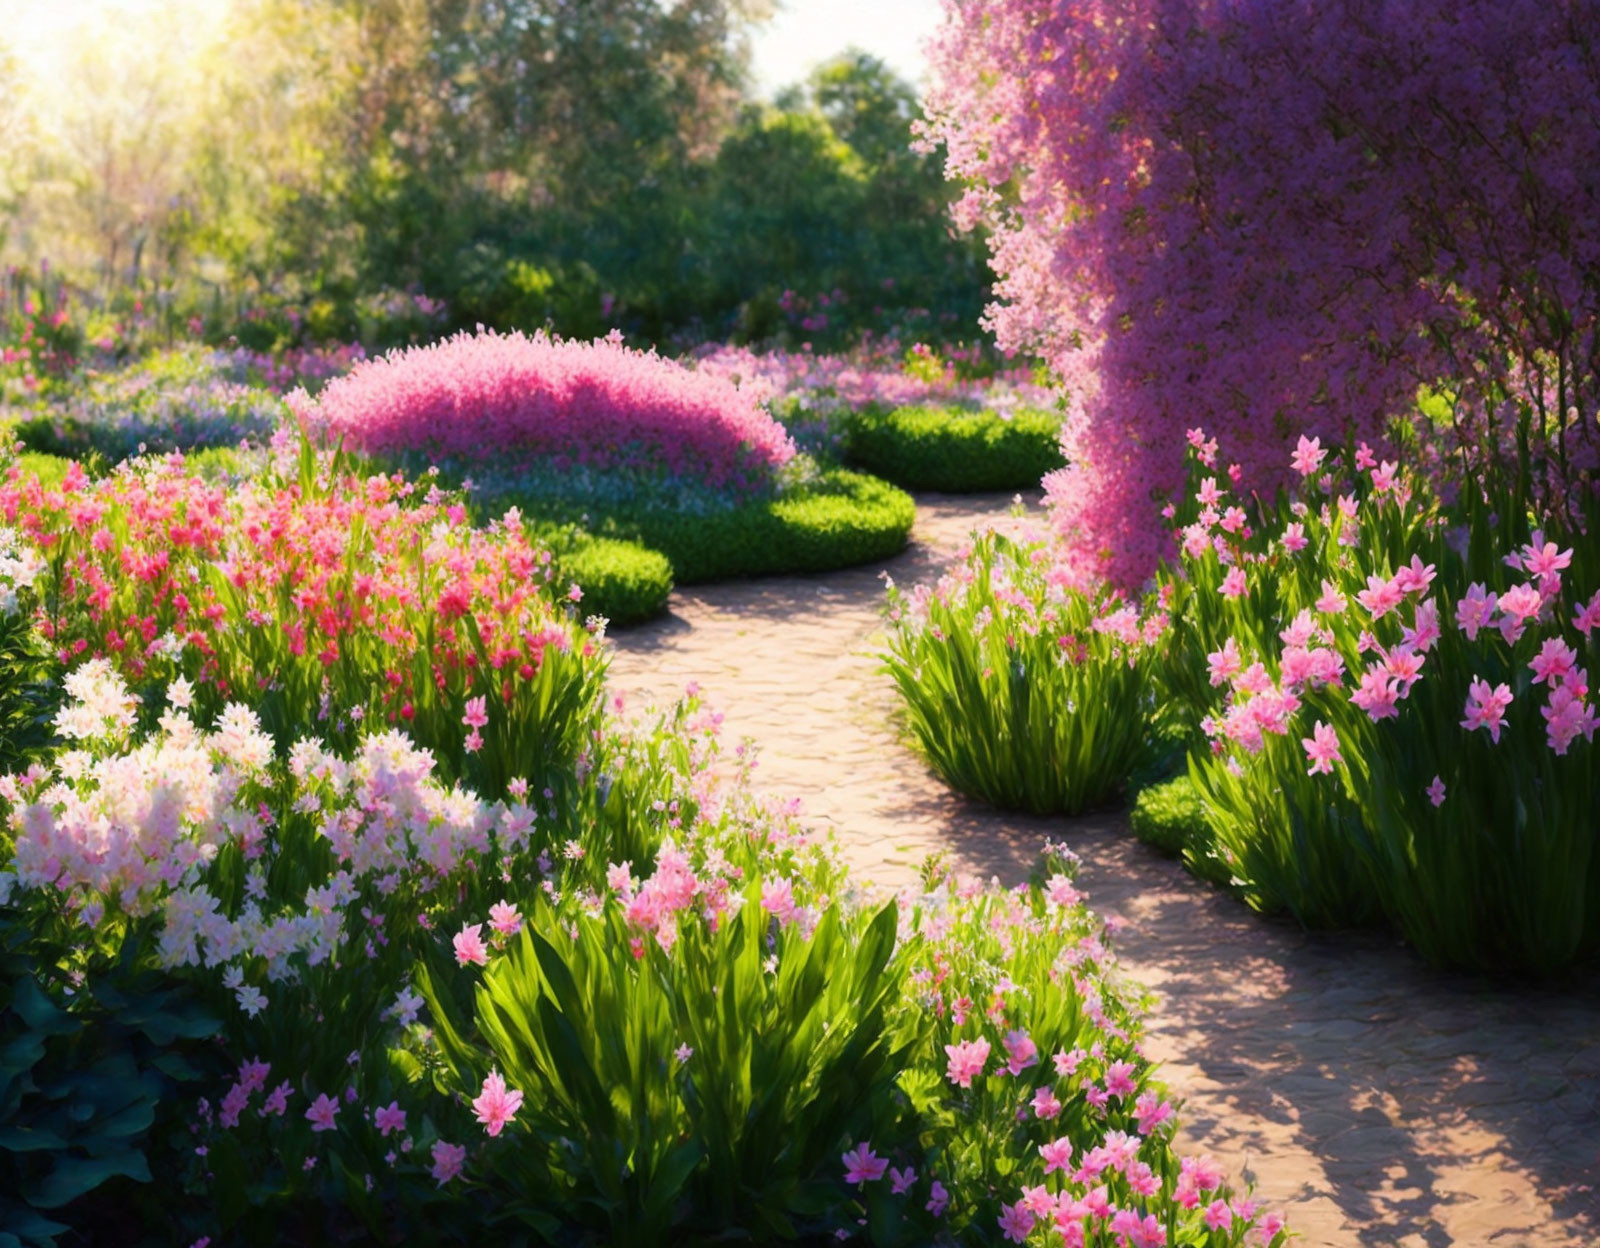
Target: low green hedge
<point>1170,817</point>
<point>623,581</point>
<point>943,448</point>
<point>836,520</point>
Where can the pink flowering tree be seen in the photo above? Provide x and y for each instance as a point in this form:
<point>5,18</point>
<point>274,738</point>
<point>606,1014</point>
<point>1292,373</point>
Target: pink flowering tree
<point>1274,220</point>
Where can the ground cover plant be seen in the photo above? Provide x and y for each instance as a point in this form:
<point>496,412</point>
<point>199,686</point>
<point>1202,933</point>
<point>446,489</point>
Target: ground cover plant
<point>1021,689</point>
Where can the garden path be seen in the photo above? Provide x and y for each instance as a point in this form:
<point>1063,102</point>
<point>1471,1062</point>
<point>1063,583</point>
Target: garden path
<point>1377,1102</point>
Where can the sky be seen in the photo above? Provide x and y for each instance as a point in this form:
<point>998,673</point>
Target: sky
<point>807,32</point>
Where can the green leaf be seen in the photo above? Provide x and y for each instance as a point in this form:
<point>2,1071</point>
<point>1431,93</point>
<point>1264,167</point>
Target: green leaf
<point>29,1140</point>
<point>41,1014</point>
<point>73,1177</point>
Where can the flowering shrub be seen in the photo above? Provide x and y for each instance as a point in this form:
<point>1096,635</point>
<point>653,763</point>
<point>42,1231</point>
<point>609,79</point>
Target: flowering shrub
<point>1396,696</point>
<point>595,405</point>
<point>1227,213</point>
<point>319,597</point>
<point>1021,690</point>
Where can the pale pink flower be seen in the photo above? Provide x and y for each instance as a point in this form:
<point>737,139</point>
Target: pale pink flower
<point>862,1165</point>
<point>1332,601</point>
<point>1151,1111</point>
<point>1380,596</point>
<point>469,945</point>
<point>966,1060</point>
<point>472,742</point>
<point>1223,663</point>
<point>1218,1216</point>
<point>1045,1104</point>
<point>496,1105</point>
<point>1322,748</point>
<point>477,713</point>
<point>1234,584</point>
<point>1522,601</point>
<point>503,917</point>
<point>1294,538</point>
<point>1308,455</point>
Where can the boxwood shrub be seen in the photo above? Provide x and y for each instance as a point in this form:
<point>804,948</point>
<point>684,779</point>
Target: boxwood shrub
<point>947,448</point>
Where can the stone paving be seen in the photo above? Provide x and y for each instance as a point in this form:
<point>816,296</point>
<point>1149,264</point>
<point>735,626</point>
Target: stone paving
<point>1376,1101</point>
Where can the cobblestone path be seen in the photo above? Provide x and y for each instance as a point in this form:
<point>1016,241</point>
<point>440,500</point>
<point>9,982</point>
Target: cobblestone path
<point>1377,1102</point>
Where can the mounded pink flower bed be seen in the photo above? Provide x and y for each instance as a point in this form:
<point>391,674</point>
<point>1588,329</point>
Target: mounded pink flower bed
<point>485,396</point>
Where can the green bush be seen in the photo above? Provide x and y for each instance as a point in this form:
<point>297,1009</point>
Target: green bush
<point>945,448</point>
<point>623,581</point>
<point>1170,817</point>
<point>837,519</point>
<point>1020,693</point>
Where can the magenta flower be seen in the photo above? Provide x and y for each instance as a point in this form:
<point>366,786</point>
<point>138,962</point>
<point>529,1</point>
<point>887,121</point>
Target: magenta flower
<point>447,1161</point>
<point>1587,620</point>
<point>862,1165</point>
<point>469,945</point>
<point>322,1113</point>
<point>1554,660</point>
<point>1436,792</point>
<point>1233,585</point>
<point>1322,748</point>
<point>496,1105</point>
<point>477,713</point>
<point>1057,1155</point>
<point>1021,1052</point>
<point>1486,707</point>
<point>967,1059</point>
<point>1016,1221</point>
<point>1045,1103</point>
<point>938,1198</point>
<point>390,1118</point>
<point>901,1181</point>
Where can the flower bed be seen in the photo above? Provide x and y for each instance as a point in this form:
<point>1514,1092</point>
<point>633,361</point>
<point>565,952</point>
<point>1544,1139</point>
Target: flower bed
<point>306,977</point>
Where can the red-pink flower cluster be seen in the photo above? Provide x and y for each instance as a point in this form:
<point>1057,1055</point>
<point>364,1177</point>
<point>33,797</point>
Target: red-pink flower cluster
<point>600,404</point>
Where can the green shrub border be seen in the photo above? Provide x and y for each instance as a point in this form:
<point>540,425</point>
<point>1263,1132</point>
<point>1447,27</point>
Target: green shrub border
<point>954,450</point>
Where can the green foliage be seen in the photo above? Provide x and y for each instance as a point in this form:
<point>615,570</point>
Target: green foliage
<point>84,1074</point>
<point>835,519</point>
<point>1012,691</point>
<point>788,1064</point>
<point>932,448</point>
<point>623,581</point>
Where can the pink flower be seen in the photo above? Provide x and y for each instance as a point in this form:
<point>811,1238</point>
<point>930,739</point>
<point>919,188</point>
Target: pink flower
<point>503,917</point>
<point>1045,1104</point>
<point>938,1198</point>
<point>1039,1201</point>
<point>1486,707</point>
<point>1218,1216</point>
<point>1223,663</point>
<point>1332,601</point>
<point>1436,792</point>
<point>777,899</point>
<point>1415,577</point>
<point>390,1118</point>
<point>1057,1155</point>
<point>472,742</point>
<point>1541,560</point>
<point>1587,620</point>
<point>1294,538</point>
<point>1021,1052</point>
<point>496,1105</point>
<point>1308,455</point>
<point>1380,596</point>
<point>1474,610</point>
<point>1233,585</point>
<point>322,1113</point>
<point>1322,748</point>
<point>901,1181</point>
<point>1554,660</point>
<point>966,1060</point>
<point>1016,1221</point>
<point>1209,495</point>
<point>1059,891</point>
<point>447,1161</point>
<point>1151,1111</point>
<point>1119,1078</point>
<point>469,945</point>
<point>862,1165</point>
<point>477,713</point>
<point>1522,601</point>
